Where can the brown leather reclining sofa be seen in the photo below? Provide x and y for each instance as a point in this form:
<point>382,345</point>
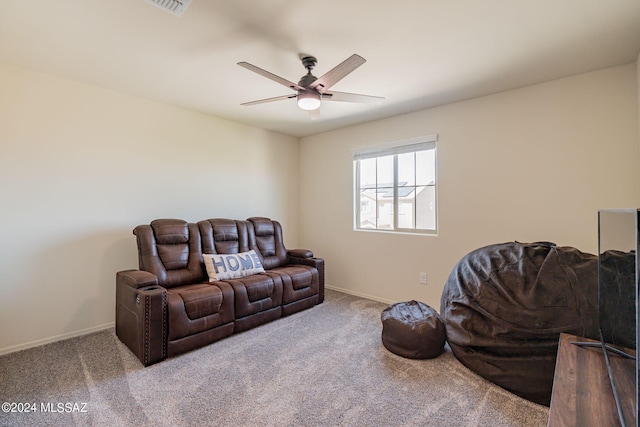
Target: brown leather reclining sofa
<point>169,306</point>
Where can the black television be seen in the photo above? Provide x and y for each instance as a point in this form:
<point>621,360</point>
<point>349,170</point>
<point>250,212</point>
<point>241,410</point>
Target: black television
<point>618,290</point>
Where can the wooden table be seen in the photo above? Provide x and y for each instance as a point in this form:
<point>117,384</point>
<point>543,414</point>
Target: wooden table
<point>582,393</point>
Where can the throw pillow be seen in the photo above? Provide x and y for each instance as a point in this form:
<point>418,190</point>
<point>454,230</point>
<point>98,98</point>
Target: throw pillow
<point>232,266</point>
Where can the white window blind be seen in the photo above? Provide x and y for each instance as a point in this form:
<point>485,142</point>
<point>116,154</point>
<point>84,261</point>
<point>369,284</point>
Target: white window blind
<point>398,147</point>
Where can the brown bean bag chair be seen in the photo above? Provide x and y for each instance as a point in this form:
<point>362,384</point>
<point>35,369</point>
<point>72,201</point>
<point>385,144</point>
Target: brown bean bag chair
<point>505,305</point>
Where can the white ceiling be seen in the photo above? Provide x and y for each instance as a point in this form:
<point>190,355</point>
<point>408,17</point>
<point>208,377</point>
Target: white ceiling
<point>420,53</point>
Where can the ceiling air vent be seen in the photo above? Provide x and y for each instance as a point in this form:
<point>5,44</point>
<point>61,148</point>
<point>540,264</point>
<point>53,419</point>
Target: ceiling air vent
<point>174,7</point>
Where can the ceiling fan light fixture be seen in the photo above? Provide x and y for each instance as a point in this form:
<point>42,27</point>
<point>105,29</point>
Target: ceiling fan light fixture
<point>309,100</point>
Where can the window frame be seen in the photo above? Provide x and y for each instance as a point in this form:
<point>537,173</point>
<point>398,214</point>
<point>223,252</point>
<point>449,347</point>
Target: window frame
<point>395,148</point>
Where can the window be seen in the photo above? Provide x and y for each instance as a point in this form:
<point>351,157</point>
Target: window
<point>395,186</point>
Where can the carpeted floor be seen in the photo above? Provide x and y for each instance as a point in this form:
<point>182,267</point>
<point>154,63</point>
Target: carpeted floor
<point>322,367</point>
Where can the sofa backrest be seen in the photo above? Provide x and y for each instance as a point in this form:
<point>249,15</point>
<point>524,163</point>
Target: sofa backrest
<point>170,249</point>
<point>224,236</point>
<point>269,242</point>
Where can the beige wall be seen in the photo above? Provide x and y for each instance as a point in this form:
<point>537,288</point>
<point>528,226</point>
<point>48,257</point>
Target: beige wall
<point>530,164</point>
<point>81,166</point>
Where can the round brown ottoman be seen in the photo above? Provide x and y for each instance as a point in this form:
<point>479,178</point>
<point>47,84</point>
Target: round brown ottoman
<point>413,329</point>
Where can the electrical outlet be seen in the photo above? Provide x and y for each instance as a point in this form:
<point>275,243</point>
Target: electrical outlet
<point>423,278</point>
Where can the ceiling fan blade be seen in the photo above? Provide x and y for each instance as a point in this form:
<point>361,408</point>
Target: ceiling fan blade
<point>352,97</point>
<point>270,76</point>
<point>337,73</point>
<point>275,98</point>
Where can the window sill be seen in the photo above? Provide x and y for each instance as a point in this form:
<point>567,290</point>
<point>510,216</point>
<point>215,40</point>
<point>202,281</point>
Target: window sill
<point>430,233</point>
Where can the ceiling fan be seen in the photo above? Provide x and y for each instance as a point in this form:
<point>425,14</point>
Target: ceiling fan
<point>310,90</point>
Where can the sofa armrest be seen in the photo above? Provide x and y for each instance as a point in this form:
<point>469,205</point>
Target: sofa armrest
<point>141,315</point>
<point>318,263</point>
<point>300,253</point>
<point>136,278</point>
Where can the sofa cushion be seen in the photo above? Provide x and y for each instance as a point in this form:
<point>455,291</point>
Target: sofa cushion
<point>196,308</point>
<point>224,236</point>
<point>299,282</point>
<point>269,242</point>
<point>232,266</point>
<point>170,249</point>
<point>255,293</point>
<point>170,231</point>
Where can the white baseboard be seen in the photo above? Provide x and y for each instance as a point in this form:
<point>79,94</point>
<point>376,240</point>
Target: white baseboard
<point>358,294</point>
<point>50,340</point>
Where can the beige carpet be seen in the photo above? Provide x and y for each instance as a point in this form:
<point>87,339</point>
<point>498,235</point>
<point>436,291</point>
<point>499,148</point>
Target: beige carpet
<point>322,367</point>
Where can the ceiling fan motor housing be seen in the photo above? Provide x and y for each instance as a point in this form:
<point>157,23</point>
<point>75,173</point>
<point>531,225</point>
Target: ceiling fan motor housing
<point>309,62</point>
<point>307,79</point>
